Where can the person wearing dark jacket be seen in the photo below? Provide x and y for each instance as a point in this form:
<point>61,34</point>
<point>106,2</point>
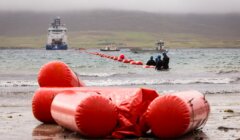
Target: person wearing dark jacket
<point>159,63</point>
<point>165,61</point>
<point>151,62</point>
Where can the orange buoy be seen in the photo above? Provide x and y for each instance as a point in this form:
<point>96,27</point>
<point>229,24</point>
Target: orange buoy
<point>132,104</point>
<point>173,115</point>
<point>115,58</point>
<point>148,66</point>
<point>41,104</point>
<point>126,61</point>
<point>133,62</point>
<point>58,74</point>
<point>121,56</point>
<point>120,60</point>
<point>139,63</point>
<point>89,113</point>
<point>130,60</point>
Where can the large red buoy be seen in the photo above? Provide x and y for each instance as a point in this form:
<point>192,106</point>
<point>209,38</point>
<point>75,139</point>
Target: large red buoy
<point>132,104</point>
<point>58,74</point>
<point>89,113</point>
<point>173,115</point>
<point>41,104</point>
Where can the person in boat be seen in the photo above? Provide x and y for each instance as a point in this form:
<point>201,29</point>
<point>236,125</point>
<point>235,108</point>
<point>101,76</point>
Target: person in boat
<point>165,61</point>
<point>159,63</point>
<point>151,62</point>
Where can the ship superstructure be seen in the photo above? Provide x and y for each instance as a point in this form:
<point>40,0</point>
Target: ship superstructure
<point>57,36</point>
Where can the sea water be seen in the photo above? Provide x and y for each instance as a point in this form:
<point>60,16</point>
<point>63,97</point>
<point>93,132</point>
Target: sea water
<point>206,70</point>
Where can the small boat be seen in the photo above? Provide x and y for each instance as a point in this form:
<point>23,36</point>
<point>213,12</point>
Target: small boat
<point>110,48</point>
<point>159,49</point>
<point>57,38</point>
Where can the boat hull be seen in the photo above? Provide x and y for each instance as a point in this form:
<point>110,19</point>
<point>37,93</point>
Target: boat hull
<point>110,50</point>
<point>57,47</point>
<point>148,51</point>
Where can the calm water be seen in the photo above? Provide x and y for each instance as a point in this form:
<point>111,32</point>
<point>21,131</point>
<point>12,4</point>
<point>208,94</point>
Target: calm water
<point>206,70</point>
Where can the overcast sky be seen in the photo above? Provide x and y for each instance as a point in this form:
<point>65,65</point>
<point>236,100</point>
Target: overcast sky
<point>166,6</point>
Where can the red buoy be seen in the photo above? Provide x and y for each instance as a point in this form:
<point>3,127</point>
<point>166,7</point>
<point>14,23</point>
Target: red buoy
<point>58,74</point>
<point>148,66</point>
<point>115,58</point>
<point>132,104</point>
<point>121,56</point>
<point>41,104</point>
<point>133,62</point>
<point>89,113</point>
<point>139,63</point>
<point>173,115</point>
<point>120,60</point>
<point>126,61</point>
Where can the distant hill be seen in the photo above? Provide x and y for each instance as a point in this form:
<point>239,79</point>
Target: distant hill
<point>225,26</point>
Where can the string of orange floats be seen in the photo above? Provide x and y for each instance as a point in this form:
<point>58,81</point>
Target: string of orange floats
<point>121,58</point>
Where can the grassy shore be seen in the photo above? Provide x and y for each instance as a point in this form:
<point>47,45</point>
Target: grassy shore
<point>97,39</point>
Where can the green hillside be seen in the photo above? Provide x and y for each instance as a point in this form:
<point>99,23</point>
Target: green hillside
<point>97,39</point>
<point>87,29</point>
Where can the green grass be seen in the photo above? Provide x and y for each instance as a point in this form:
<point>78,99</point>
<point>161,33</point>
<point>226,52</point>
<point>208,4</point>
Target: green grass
<point>98,39</point>
<point>22,42</point>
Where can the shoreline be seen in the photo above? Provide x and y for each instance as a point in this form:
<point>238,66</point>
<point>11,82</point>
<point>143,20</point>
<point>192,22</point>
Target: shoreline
<point>223,122</point>
<point>128,39</point>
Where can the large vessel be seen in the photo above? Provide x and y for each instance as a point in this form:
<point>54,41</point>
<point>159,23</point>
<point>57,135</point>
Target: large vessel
<point>159,49</point>
<point>57,37</point>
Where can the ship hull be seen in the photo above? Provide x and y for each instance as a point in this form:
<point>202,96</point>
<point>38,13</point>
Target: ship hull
<point>148,51</point>
<point>57,47</point>
<point>109,49</point>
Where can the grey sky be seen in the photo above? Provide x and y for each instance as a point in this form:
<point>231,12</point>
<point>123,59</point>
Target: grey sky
<point>168,6</point>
